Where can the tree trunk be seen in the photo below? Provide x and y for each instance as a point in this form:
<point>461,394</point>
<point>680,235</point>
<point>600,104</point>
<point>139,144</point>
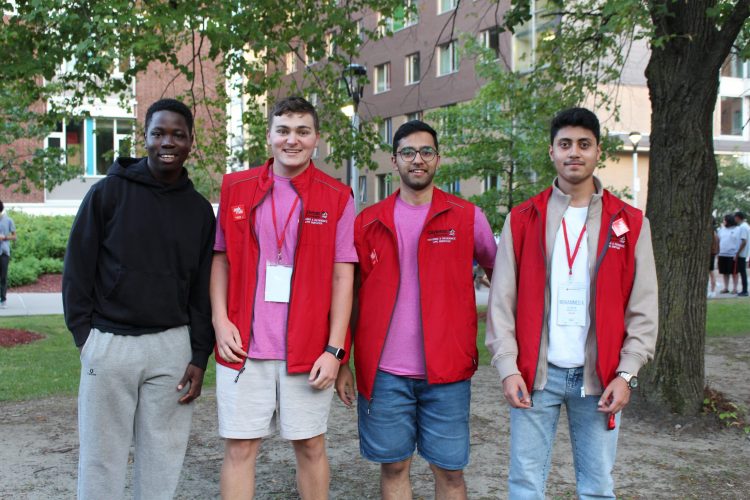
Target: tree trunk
<point>683,80</point>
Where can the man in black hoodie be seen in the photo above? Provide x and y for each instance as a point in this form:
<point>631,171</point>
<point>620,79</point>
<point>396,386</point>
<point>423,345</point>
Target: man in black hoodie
<point>135,295</point>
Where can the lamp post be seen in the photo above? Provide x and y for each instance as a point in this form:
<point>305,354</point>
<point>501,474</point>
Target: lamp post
<point>353,75</point>
<point>635,138</point>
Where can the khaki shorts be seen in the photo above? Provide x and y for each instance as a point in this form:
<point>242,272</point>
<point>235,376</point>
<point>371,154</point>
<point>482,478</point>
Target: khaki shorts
<point>265,397</point>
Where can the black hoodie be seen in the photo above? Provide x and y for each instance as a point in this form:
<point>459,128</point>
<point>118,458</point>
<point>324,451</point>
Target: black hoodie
<point>139,258</point>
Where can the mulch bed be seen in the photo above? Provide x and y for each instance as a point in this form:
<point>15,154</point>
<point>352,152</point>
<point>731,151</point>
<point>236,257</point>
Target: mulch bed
<point>47,283</point>
<point>10,337</point>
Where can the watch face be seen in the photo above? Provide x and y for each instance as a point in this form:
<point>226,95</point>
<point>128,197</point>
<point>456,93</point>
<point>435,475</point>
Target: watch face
<point>633,382</point>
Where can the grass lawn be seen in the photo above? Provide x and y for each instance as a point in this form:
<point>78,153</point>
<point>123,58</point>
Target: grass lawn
<point>51,366</point>
<point>47,367</point>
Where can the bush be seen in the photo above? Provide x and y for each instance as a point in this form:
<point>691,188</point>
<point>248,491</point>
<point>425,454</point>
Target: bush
<point>39,247</point>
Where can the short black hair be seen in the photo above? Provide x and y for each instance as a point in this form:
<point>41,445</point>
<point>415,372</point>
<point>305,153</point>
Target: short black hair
<point>575,117</point>
<point>738,215</point>
<point>412,127</point>
<point>170,105</point>
<point>294,104</point>
<point>2,207</point>
<point>729,220</point>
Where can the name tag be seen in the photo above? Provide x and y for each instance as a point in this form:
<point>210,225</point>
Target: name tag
<point>571,304</point>
<point>278,282</point>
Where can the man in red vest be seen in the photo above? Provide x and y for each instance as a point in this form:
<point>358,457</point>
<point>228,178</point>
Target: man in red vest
<point>281,294</point>
<point>573,316</point>
<point>415,342</point>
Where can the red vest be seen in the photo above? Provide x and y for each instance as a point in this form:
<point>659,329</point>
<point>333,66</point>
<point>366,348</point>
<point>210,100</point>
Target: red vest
<point>447,302</point>
<point>613,278</point>
<point>323,200</point>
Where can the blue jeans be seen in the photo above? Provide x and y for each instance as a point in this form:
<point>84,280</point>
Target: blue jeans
<point>405,413</point>
<point>532,433</point>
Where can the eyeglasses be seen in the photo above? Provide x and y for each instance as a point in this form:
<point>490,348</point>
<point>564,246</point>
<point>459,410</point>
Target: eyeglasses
<point>427,153</point>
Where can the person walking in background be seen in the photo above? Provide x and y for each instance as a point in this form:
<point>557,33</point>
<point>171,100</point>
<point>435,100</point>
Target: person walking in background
<point>7,234</point>
<point>416,336</point>
<point>729,247</point>
<point>281,291</point>
<point>135,296</point>
<point>569,252</point>
<point>712,263</point>
<point>744,235</point>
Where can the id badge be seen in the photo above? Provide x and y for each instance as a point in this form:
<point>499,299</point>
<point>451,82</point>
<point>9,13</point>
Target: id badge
<point>278,282</point>
<point>571,304</point>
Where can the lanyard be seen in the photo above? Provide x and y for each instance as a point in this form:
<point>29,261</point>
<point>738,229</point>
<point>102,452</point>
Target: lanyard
<point>280,239</point>
<point>572,258</point>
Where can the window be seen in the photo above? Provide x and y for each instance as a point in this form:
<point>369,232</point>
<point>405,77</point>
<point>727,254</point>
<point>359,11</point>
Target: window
<point>362,188</point>
<point>490,39</point>
<point>446,5</point>
<point>733,67</point>
<point>93,143</point>
<point>541,26</point>
<point>330,45</point>
<point>310,57</point>
<point>385,186</point>
<point>417,115</point>
<point>404,16</point>
<point>731,116</point>
<point>412,68</point>
<point>447,58</point>
<point>382,78</point>
<point>453,187</point>
<point>291,63</point>
<point>492,183</point>
<point>385,131</point>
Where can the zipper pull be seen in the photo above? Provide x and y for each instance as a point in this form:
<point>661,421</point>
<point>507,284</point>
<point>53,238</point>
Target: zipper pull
<point>583,392</point>
<point>240,372</point>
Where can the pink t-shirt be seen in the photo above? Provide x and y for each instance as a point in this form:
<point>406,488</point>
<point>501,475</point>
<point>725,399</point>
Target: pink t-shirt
<point>403,352</point>
<point>268,340</point>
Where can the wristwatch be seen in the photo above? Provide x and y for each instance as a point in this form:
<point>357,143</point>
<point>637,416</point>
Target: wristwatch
<point>631,379</point>
<point>336,351</point>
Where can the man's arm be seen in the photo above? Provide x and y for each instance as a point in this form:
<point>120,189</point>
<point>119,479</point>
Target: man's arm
<point>345,387</point>
<point>199,308</point>
<point>485,248</point>
<point>326,367</point>
<point>641,324</point>
<point>79,269</point>
<point>228,340</point>
<point>501,322</point>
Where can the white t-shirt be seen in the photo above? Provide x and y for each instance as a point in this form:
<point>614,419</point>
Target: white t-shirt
<point>744,235</point>
<point>729,241</point>
<point>567,342</point>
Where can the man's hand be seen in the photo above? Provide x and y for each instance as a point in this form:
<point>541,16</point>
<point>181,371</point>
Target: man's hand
<point>324,371</point>
<point>228,341</point>
<point>515,392</point>
<point>194,377</point>
<point>615,397</point>
<point>345,386</point>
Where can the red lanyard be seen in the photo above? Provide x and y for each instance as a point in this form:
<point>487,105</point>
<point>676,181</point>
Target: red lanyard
<point>280,239</point>
<point>572,258</point>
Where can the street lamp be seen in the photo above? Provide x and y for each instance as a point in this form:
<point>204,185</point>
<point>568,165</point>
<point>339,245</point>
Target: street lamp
<point>635,138</point>
<point>353,76</point>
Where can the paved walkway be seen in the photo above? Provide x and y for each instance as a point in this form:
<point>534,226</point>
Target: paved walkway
<point>29,304</point>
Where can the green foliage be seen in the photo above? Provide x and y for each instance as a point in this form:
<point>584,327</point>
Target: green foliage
<point>727,412</point>
<point>733,190</point>
<point>247,41</point>
<point>39,247</point>
<point>47,367</point>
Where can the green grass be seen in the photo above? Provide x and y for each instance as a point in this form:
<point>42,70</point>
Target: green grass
<point>48,367</point>
<point>728,317</point>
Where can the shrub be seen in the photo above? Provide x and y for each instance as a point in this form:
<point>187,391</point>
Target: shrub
<point>39,247</point>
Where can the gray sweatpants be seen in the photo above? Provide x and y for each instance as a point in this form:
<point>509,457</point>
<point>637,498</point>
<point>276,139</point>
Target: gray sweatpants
<point>128,391</point>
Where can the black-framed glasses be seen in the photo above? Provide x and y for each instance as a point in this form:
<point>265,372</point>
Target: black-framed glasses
<point>427,153</point>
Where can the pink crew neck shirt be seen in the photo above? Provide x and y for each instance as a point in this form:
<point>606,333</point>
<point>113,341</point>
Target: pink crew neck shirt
<point>268,339</point>
<point>403,352</point>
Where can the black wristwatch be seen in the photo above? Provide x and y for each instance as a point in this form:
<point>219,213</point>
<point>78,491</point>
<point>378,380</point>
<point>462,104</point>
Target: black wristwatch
<point>631,379</point>
<point>336,351</point>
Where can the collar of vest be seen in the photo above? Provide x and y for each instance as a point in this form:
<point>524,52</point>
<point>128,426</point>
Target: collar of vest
<point>300,182</point>
<point>383,211</point>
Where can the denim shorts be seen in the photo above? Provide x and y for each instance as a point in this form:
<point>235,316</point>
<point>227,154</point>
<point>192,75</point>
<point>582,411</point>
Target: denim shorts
<point>406,413</point>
